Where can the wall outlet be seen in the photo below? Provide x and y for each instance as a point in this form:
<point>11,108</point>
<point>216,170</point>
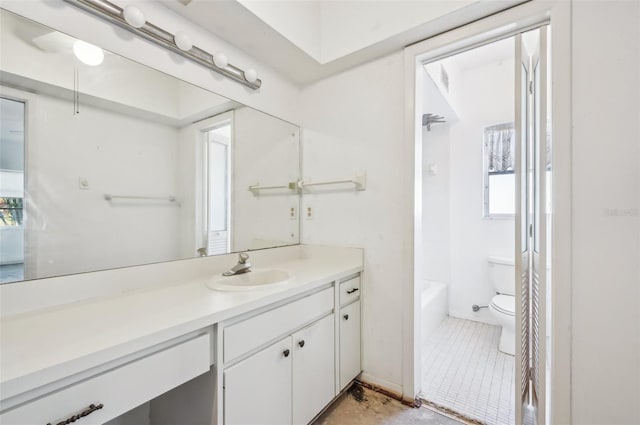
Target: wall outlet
<point>308,213</point>
<point>293,214</point>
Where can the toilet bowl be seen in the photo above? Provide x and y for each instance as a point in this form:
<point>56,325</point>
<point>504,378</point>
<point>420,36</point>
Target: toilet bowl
<point>503,305</point>
<point>503,308</point>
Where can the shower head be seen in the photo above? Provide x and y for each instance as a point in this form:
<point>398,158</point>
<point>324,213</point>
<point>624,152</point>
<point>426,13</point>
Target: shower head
<point>428,119</point>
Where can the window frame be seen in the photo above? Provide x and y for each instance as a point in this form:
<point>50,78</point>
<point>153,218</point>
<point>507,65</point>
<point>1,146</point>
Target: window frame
<point>486,211</point>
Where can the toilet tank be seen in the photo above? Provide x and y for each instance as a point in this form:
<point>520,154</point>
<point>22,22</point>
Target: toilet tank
<point>502,275</point>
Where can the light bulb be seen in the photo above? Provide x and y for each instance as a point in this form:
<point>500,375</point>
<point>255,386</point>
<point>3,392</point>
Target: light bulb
<point>221,60</point>
<point>183,41</point>
<point>251,75</point>
<point>88,53</point>
<point>134,16</point>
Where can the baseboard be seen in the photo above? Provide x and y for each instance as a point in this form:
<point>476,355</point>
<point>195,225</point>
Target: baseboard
<point>389,388</point>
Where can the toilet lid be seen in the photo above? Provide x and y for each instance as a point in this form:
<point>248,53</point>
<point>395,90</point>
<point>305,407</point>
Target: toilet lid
<point>505,304</point>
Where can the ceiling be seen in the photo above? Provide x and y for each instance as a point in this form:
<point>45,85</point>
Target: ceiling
<point>495,52</point>
<point>308,40</point>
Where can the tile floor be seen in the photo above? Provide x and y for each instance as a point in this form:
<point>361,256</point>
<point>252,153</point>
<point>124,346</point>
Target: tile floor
<point>464,371</point>
<point>361,406</point>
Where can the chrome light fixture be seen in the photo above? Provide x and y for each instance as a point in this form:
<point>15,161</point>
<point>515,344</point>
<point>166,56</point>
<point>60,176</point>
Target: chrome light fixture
<point>132,19</point>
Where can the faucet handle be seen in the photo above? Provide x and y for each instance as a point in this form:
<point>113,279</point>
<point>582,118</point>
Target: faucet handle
<point>243,257</point>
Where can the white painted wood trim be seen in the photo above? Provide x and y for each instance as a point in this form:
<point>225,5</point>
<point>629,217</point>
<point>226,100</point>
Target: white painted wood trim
<point>559,402</point>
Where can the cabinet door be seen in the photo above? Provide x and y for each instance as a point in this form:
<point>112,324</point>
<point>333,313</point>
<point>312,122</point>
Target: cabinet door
<point>313,369</point>
<point>349,343</point>
<point>258,390</point>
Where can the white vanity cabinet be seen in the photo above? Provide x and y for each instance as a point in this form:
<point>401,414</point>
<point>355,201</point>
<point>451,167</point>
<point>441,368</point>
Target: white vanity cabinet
<point>283,383</point>
<point>281,365</point>
<point>349,328</point>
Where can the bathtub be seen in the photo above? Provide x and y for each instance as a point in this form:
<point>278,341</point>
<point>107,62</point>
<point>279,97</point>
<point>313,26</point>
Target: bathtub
<point>435,306</point>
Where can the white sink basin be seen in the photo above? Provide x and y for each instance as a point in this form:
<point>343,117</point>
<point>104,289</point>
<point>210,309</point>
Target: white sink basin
<point>255,279</point>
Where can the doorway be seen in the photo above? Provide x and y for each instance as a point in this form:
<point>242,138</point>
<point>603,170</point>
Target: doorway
<point>485,202</point>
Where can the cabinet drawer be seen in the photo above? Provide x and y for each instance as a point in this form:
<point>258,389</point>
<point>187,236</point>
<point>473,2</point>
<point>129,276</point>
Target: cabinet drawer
<point>349,290</point>
<point>245,336</point>
<point>118,390</point>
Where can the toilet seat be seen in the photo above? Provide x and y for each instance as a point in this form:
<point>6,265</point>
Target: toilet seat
<point>505,304</point>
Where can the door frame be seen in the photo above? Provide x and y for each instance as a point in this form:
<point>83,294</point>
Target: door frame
<point>517,19</point>
<point>198,132</point>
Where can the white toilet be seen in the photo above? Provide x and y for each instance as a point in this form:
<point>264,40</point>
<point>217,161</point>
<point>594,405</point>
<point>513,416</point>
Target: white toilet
<point>503,305</point>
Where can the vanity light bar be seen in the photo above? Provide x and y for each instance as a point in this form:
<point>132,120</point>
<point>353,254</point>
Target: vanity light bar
<point>115,14</point>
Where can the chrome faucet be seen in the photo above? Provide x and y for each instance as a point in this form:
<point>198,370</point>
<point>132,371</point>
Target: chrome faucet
<point>243,266</point>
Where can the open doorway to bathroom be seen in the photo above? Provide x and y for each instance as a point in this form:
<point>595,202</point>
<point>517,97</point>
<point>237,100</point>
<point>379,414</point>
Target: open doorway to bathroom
<point>486,175</point>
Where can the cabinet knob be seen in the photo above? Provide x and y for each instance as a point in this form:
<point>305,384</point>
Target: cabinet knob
<point>346,317</point>
<point>352,290</point>
<point>286,353</point>
<point>301,343</point>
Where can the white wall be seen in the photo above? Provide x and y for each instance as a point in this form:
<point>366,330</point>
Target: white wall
<point>277,95</point>
<point>436,224</point>
<point>436,169</point>
<point>606,213</point>
<point>452,95</point>
<point>267,151</point>
<point>353,123</point>
<point>70,230</point>
<point>488,99</point>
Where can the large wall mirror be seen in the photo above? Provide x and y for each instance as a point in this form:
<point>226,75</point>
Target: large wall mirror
<point>107,163</point>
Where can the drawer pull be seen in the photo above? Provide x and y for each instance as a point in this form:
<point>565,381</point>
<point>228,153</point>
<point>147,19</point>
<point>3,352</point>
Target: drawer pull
<point>301,343</point>
<point>352,290</point>
<point>286,353</point>
<point>89,410</point>
<point>346,317</point>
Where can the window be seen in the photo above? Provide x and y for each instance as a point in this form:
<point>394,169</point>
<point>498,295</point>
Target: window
<point>499,171</point>
<point>11,211</point>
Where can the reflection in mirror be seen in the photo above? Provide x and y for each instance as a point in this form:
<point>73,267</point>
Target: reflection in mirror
<point>107,163</point>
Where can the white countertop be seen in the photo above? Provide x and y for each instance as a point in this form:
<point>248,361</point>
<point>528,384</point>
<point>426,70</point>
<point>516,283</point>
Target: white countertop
<point>43,346</point>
